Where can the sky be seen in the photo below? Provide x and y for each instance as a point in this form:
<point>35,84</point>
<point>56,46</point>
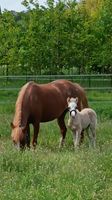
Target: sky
<point>15,4</point>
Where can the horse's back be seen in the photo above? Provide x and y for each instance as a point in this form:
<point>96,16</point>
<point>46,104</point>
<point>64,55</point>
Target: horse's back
<point>57,90</point>
<point>62,87</point>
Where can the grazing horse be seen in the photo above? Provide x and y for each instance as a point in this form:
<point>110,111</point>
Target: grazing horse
<point>42,103</point>
<point>78,121</point>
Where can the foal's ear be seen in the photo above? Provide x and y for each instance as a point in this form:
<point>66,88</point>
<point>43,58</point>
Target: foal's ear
<point>12,125</point>
<point>76,99</point>
<point>68,99</point>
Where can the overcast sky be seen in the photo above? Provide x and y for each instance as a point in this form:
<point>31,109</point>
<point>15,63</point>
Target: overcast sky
<point>15,4</point>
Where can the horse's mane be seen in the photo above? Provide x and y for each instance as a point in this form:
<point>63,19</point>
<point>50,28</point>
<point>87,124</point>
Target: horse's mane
<point>19,102</point>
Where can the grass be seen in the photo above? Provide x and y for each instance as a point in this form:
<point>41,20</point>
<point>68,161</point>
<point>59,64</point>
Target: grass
<point>48,173</point>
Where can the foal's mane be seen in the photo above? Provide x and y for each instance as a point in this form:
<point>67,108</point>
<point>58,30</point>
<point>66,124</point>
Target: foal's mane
<point>19,103</point>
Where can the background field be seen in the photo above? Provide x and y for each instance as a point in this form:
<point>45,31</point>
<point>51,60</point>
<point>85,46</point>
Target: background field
<point>49,173</point>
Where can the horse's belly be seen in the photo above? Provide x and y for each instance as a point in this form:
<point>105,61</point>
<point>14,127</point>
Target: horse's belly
<point>49,116</point>
<point>47,120</point>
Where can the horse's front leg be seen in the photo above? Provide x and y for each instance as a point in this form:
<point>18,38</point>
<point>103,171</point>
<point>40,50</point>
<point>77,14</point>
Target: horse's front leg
<point>28,136</point>
<point>36,131</point>
<point>63,129</point>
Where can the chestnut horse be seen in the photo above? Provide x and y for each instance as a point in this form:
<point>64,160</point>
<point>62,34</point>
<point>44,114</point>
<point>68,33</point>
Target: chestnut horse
<point>42,103</point>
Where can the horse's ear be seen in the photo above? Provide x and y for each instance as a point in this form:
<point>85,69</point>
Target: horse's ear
<point>68,99</point>
<point>76,99</point>
<point>12,125</point>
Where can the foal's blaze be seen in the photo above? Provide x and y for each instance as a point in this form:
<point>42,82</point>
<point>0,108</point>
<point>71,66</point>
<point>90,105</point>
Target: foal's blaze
<point>42,103</point>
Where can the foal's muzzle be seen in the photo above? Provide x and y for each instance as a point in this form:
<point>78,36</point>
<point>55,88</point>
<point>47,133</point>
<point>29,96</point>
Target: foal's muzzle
<point>73,113</point>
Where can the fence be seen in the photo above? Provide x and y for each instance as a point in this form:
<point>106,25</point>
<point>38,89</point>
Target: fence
<point>10,85</point>
<point>89,82</point>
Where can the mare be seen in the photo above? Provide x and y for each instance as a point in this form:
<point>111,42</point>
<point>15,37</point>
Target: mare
<point>85,119</point>
<point>42,103</point>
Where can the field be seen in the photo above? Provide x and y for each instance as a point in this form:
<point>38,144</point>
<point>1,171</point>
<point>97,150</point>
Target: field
<point>48,173</point>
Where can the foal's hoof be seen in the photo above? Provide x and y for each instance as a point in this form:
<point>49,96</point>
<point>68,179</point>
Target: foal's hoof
<point>76,148</point>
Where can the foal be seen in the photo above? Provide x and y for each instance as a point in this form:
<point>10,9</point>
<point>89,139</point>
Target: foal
<point>86,119</point>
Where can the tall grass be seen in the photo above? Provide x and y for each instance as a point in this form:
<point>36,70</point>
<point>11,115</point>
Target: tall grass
<point>48,173</point>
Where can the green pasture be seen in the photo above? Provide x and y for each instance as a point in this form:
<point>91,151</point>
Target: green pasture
<point>48,173</point>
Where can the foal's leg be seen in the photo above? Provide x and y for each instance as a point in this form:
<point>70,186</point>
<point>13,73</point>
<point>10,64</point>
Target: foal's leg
<point>82,137</point>
<point>63,128</point>
<point>93,136</point>
<point>36,131</point>
<point>77,138</point>
<point>91,133</point>
<point>89,136</point>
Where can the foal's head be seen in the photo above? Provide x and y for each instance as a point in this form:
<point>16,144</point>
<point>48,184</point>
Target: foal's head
<point>72,105</point>
<point>18,136</point>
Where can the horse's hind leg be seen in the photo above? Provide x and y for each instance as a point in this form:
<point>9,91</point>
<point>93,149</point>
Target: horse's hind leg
<point>63,128</point>
<point>82,132</point>
<point>35,136</point>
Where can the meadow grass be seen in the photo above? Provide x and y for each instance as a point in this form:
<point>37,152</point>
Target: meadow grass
<point>48,173</point>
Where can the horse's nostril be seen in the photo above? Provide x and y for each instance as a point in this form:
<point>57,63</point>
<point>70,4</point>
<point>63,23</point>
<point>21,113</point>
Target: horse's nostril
<point>14,142</point>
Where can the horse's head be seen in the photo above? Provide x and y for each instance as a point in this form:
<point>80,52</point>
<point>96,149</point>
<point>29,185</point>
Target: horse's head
<point>72,105</point>
<point>18,136</point>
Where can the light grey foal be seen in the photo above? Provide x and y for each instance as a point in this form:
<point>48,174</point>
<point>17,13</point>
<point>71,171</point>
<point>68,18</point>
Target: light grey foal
<point>86,119</point>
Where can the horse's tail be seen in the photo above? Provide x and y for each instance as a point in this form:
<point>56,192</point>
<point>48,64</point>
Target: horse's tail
<point>85,101</point>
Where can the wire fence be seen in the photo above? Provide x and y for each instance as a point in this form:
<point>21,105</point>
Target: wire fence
<point>10,85</point>
<point>89,82</point>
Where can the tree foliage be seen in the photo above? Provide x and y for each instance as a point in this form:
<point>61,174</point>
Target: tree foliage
<point>63,37</point>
